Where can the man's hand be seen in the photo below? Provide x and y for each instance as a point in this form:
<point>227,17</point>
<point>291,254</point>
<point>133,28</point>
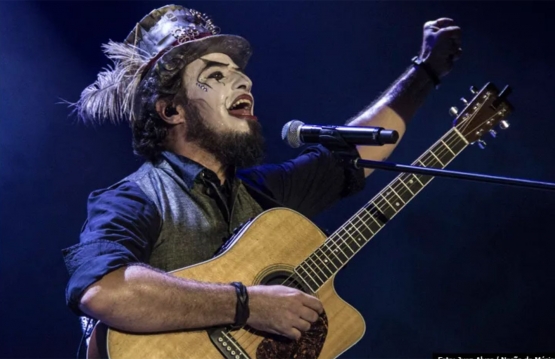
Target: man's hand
<point>282,310</point>
<point>441,45</point>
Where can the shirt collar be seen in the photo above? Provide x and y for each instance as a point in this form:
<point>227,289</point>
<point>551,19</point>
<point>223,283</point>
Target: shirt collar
<point>187,169</point>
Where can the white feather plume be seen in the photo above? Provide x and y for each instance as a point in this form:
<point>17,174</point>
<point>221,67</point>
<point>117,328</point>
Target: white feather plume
<point>111,96</point>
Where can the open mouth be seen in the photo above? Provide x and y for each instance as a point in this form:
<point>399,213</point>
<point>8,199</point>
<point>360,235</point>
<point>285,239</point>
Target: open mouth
<point>242,107</point>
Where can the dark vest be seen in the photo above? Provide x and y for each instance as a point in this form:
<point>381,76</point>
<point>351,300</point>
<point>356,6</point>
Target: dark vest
<point>193,224</point>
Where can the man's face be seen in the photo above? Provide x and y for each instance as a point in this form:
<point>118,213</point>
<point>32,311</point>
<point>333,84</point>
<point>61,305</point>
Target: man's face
<point>221,91</point>
<point>219,111</point>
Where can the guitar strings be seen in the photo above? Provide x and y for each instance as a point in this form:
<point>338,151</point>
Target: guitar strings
<point>399,179</point>
<point>326,245</point>
<point>447,142</point>
<point>331,239</point>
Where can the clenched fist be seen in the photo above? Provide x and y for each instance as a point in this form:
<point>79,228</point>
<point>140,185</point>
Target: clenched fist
<point>441,45</point>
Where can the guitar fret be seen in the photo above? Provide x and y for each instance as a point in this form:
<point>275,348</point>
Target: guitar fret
<point>335,252</point>
<point>338,246</point>
<point>389,203</point>
<point>343,242</point>
<point>407,187</point>
<point>414,175</point>
<point>354,241</point>
<point>375,204</point>
<point>328,259</point>
<point>437,158</point>
<point>449,148</point>
<point>347,245</point>
<point>324,265</point>
<point>376,213</point>
<point>361,234</point>
<point>314,269</point>
<point>397,194</point>
<point>460,135</point>
<point>369,230</point>
<point>304,279</point>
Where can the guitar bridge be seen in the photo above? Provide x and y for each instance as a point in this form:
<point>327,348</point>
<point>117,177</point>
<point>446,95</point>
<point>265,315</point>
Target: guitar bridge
<point>226,344</point>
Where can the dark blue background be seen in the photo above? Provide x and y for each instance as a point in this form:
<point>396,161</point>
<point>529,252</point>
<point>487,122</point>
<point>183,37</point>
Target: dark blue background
<point>465,267</point>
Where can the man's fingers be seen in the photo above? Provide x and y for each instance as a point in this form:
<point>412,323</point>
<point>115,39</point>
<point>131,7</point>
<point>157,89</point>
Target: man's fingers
<point>309,314</point>
<point>451,31</point>
<point>438,24</point>
<point>444,21</point>
<point>302,325</point>
<point>294,334</point>
<point>313,303</point>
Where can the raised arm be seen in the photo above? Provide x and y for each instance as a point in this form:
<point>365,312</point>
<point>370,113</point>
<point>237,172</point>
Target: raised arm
<point>397,105</point>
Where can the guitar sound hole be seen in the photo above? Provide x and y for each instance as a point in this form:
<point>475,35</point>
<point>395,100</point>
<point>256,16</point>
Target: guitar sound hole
<point>311,342</point>
<point>285,278</point>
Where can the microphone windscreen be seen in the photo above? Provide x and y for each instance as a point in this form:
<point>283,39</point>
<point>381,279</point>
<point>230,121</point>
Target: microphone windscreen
<point>291,135</point>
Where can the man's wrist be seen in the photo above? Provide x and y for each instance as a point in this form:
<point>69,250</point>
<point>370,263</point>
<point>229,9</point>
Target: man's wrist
<point>419,63</point>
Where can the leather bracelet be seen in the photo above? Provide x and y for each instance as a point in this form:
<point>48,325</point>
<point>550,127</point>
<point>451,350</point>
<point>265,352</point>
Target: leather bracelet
<point>417,62</point>
<point>242,311</point>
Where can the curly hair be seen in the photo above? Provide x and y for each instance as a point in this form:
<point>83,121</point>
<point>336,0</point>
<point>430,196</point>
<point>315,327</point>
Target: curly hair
<point>163,82</point>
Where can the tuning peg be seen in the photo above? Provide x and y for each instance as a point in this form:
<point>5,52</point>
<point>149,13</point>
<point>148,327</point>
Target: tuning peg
<point>464,101</point>
<point>453,111</point>
<point>504,125</point>
<point>473,90</point>
<point>493,133</point>
<point>481,144</point>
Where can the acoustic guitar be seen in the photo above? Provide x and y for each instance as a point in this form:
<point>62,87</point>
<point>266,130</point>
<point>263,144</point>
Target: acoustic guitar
<point>281,246</point>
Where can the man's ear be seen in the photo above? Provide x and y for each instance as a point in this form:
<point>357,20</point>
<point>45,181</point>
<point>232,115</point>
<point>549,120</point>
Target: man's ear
<point>169,113</point>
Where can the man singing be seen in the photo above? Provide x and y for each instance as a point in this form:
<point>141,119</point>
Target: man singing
<point>183,89</point>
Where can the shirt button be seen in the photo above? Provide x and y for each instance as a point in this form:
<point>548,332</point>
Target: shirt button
<point>208,191</point>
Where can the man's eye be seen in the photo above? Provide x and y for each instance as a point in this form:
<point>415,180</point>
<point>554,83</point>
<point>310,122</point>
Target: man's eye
<point>216,75</point>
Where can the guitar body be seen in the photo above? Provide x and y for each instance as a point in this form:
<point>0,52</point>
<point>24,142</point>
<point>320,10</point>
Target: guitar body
<point>269,246</point>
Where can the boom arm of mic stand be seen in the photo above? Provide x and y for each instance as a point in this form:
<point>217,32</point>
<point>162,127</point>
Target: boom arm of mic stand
<point>389,166</point>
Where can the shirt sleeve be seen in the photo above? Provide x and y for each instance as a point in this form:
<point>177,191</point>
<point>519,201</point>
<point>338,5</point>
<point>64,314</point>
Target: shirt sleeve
<point>308,183</point>
<point>121,228</point>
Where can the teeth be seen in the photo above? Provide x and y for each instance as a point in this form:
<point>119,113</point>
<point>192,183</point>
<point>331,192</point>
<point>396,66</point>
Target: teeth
<point>240,102</point>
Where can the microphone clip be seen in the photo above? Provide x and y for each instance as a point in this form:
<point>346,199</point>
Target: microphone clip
<point>333,141</point>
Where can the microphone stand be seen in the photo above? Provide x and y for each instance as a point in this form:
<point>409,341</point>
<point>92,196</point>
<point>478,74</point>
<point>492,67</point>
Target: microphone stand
<point>337,144</point>
<point>435,172</point>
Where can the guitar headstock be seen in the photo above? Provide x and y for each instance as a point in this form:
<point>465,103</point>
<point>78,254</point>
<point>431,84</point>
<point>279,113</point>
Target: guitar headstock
<point>487,109</point>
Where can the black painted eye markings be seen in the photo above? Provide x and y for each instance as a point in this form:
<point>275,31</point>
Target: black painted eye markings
<point>203,82</point>
<point>216,75</point>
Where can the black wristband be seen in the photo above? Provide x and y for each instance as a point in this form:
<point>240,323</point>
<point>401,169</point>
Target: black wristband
<point>242,308</point>
<point>417,62</point>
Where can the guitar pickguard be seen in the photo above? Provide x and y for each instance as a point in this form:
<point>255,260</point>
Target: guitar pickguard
<point>308,347</point>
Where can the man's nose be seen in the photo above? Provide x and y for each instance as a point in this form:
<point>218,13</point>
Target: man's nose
<point>242,83</point>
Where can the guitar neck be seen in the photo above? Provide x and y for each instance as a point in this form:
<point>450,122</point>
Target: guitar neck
<point>344,243</point>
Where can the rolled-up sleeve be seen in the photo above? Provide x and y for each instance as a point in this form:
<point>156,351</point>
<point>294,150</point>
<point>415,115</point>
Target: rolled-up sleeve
<point>121,228</point>
<point>309,183</point>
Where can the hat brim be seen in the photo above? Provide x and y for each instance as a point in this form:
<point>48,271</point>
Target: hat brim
<point>236,47</point>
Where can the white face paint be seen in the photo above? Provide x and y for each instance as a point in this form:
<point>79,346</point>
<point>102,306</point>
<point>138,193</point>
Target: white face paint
<point>225,103</point>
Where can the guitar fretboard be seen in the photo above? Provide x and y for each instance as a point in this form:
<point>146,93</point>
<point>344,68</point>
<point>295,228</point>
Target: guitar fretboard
<point>344,243</point>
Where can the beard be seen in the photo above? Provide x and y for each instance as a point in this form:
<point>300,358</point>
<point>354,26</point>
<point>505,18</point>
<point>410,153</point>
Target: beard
<point>231,149</point>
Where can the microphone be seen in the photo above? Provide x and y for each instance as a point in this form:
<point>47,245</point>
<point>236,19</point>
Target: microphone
<point>295,133</point>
